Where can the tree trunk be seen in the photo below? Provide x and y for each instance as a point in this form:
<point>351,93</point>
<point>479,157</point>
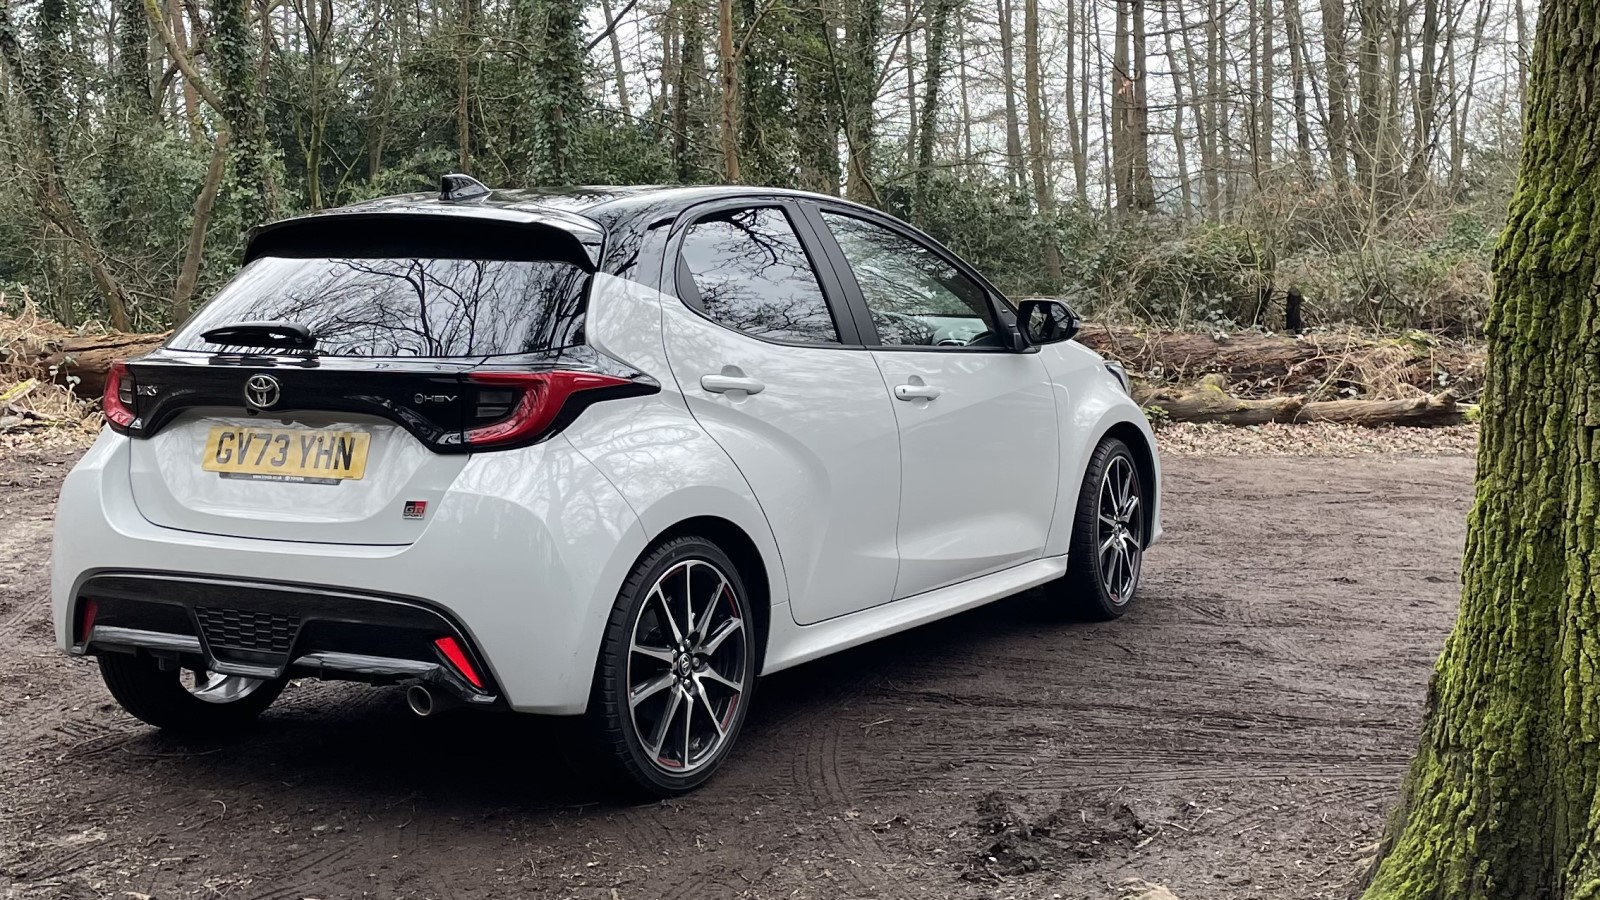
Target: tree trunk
<point>464,88</point>
<point>860,91</point>
<point>1299,66</point>
<point>1267,118</point>
<point>1144,184</point>
<point>1043,194</point>
<point>1338,127</point>
<point>1074,104</point>
<point>1369,89</point>
<point>1423,140</point>
<point>908,25</point>
<point>619,73</point>
<point>232,63</point>
<point>730,92</point>
<point>689,72</point>
<point>815,108</point>
<point>1503,799</point>
<point>1008,67</point>
<point>933,76</point>
<point>1212,110</point>
<point>966,94</point>
<point>1179,143</point>
<point>189,274</point>
<point>191,98</point>
<point>560,98</point>
<point>1122,112</point>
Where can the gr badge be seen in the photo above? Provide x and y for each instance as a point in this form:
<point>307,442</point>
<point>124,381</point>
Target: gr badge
<point>415,509</point>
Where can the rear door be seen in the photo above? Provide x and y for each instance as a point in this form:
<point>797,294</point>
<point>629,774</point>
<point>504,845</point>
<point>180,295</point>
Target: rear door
<point>779,378</point>
<point>979,443</point>
<point>359,441</point>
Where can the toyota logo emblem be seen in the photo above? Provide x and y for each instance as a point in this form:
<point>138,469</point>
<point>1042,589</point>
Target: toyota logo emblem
<point>261,391</point>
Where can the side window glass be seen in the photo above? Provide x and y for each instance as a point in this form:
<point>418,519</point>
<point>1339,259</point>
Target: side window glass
<point>753,276</point>
<point>916,298</point>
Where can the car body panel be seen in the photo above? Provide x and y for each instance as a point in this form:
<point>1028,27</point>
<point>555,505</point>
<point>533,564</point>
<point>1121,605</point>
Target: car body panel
<point>978,463</point>
<point>792,645</point>
<point>651,448</point>
<point>819,447</point>
<point>532,591</point>
<point>1091,403</point>
<point>172,490</point>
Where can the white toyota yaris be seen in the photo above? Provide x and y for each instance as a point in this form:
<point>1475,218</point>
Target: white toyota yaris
<point>614,451</point>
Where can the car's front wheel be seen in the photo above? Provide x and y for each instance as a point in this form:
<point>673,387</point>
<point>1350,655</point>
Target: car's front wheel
<point>182,700</point>
<point>1108,536</point>
<point>677,666</point>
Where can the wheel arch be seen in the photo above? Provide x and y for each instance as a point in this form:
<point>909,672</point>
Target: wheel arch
<point>746,556</point>
<point>1144,460</point>
<point>1104,416</point>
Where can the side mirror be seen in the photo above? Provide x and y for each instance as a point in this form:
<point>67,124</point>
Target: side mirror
<point>1047,321</point>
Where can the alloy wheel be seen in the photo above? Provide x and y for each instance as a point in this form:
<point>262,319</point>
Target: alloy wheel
<point>688,652</point>
<point>1119,532</point>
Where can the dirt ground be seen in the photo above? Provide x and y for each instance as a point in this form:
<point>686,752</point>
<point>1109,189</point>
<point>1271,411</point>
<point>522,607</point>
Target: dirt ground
<point>1239,734</point>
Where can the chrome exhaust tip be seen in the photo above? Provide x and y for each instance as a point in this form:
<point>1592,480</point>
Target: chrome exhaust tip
<point>422,701</point>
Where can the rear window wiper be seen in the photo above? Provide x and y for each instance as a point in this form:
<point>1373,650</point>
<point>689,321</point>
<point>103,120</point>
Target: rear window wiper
<point>264,335</point>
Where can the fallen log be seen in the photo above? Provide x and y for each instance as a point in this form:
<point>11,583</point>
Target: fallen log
<point>89,357</point>
<point>1258,364</point>
<point>1274,378</point>
<point>1421,412</point>
<point>1210,402</point>
<point>38,348</point>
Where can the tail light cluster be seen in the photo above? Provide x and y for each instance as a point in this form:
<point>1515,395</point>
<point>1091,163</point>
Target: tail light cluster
<point>493,410</point>
<point>521,407</point>
<point>117,401</point>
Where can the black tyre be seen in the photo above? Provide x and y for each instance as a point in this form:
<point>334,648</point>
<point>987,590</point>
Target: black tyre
<point>677,667</point>
<point>184,701</point>
<point>1108,537</point>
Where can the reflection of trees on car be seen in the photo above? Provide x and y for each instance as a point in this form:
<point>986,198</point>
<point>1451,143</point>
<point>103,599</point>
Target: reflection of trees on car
<point>411,306</point>
<point>754,276</point>
<point>902,280</point>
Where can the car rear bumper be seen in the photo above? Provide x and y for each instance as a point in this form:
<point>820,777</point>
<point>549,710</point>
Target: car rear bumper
<point>268,630</point>
<point>521,560</point>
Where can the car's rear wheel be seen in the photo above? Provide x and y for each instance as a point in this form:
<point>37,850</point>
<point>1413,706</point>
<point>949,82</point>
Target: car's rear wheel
<point>185,700</point>
<point>676,667</point>
<point>1108,536</point>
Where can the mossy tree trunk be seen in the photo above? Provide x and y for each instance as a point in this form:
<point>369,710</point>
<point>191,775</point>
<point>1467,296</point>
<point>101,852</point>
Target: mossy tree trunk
<point>233,59</point>
<point>1502,799</point>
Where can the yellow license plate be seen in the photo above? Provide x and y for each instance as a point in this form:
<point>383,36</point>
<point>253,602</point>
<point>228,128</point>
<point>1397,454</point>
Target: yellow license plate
<point>274,454</point>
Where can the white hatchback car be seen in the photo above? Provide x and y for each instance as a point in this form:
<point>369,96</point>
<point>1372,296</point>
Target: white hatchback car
<point>614,451</point>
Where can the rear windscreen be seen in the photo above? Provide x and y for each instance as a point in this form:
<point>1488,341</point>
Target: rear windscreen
<point>404,306</point>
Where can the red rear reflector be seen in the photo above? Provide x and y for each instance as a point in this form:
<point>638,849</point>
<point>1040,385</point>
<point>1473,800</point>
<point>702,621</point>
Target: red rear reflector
<point>117,401</point>
<point>458,660</point>
<point>86,613</point>
<point>542,396</point>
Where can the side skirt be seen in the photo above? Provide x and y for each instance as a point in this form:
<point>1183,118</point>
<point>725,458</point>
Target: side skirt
<point>790,644</point>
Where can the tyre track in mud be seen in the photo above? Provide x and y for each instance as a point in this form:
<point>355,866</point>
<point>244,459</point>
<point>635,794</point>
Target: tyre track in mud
<point>1254,711</point>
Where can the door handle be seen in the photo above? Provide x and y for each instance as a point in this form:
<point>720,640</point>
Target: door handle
<point>722,384</point>
<point>916,392</point>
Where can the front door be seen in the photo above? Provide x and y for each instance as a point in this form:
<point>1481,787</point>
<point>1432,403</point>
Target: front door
<point>785,387</point>
<point>979,446</point>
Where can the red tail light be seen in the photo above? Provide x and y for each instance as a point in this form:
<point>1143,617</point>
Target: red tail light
<point>117,401</point>
<point>457,658</point>
<point>535,405</point>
